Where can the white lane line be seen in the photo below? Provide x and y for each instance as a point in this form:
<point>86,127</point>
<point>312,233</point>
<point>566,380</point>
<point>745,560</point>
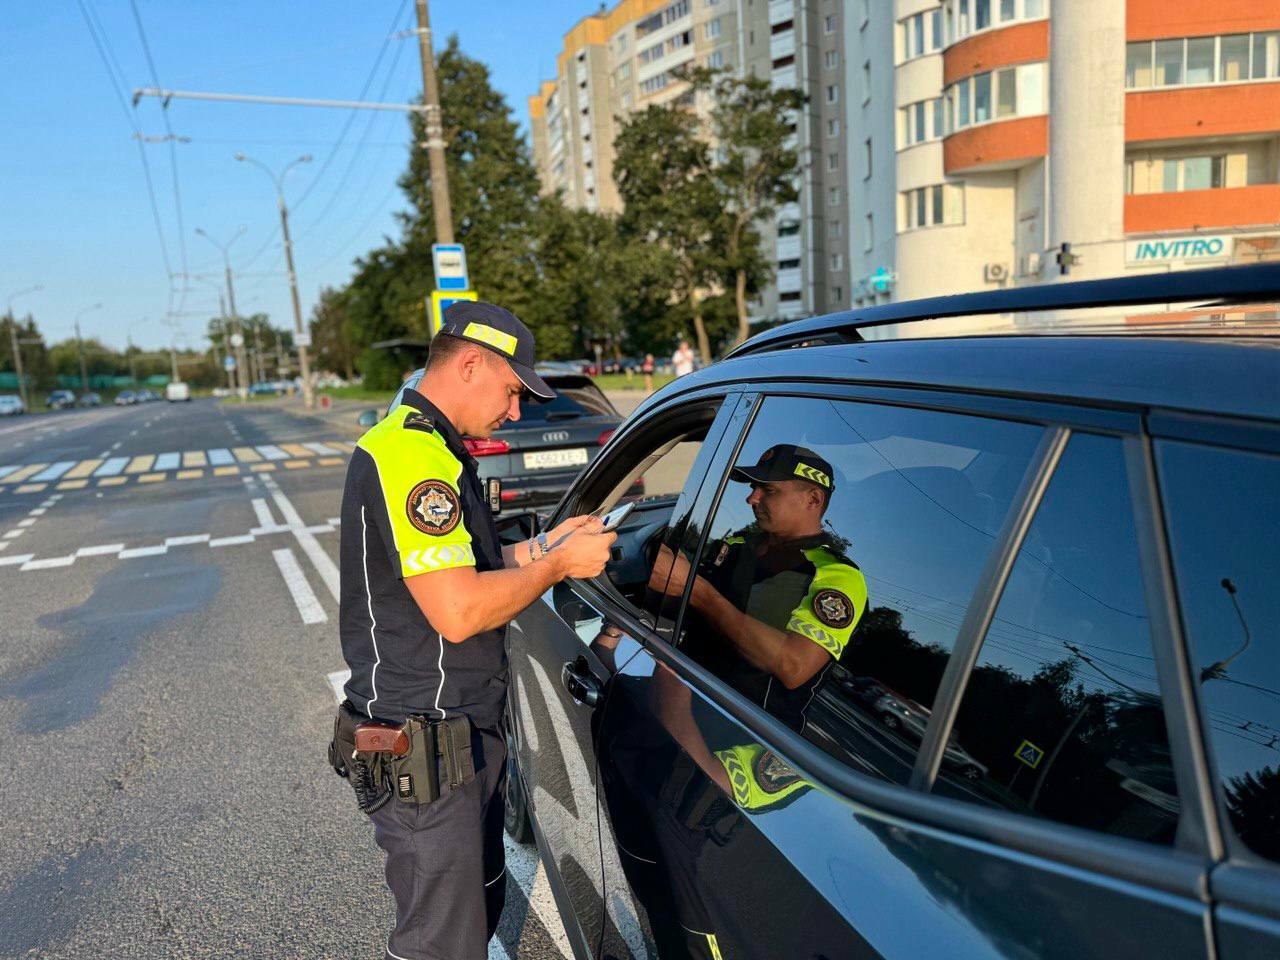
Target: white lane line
<point>49,563</point>
<point>304,597</point>
<point>26,521</point>
<point>186,540</point>
<point>262,512</point>
<point>100,551</point>
<point>14,534</point>
<point>116,445</point>
<point>321,560</point>
<point>16,559</point>
<point>104,454</point>
<point>38,511</point>
<point>232,541</point>
<point>141,552</point>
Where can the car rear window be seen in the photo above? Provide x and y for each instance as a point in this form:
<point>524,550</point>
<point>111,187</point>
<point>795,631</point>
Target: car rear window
<point>579,398</point>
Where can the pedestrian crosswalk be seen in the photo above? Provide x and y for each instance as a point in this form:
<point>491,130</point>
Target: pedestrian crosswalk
<point>172,465</point>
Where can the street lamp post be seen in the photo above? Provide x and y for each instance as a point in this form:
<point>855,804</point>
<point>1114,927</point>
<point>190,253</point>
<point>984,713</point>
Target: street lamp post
<point>299,336</point>
<point>13,337</point>
<point>237,340</point>
<point>84,371</point>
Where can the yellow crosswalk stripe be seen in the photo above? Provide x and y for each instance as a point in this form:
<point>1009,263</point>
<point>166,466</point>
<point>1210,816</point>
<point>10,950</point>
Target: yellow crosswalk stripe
<point>140,464</point>
<point>112,481</point>
<point>82,469</point>
<point>151,477</point>
<point>225,471</point>
<point>263,468</point>
<point>246,454</point>
<point>31,488</point>
<point>195,458</point>
<point>297,450</point>
<point>190,474</point>
<point>296,464</point>
<point>25,472</point>
<point>73,484</point>
<point>331,461</point>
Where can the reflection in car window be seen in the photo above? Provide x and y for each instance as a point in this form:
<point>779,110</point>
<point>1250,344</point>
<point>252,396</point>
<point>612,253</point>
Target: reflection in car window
<point>1061,717</point>
<point>1222,507</point>
<point>848,536</point>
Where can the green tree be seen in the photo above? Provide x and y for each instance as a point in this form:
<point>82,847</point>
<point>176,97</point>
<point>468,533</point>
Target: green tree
<point>330,335</point>
<point>754,170</point>
<point>662,166</point>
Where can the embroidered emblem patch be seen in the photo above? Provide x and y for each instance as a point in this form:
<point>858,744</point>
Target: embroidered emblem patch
<point>773,774</point>
<point>433,507</point>
<point>833,608</point>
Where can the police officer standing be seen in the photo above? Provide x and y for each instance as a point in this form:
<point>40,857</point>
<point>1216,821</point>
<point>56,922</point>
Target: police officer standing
<point>427,592</point>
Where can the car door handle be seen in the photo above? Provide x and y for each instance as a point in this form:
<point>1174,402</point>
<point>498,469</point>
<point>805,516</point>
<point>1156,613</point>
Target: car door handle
<point>578,680</point>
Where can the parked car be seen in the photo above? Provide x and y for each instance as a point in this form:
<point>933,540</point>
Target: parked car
<point>538,456</point>
<point>178,392</point>
<point>11,405</point>
<point>89,400</point>
<point>1062,501</point>
<point>60,400</point>
<point>125,398</point>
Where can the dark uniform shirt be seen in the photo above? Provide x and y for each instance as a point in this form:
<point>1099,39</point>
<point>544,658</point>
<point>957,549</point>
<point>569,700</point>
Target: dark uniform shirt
<point>803,586</point>
<point>413,504</point>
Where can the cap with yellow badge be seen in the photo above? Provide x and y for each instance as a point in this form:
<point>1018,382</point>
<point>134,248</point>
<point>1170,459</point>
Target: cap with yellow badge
<point>502,332</point>
<point>786,461</point>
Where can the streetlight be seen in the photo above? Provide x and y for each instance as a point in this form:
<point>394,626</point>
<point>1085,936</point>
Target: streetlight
<point>84,372</point>
<point>128,339</point>
<point>13,337</point>
<point>237,339</point>
<point>300,338</point>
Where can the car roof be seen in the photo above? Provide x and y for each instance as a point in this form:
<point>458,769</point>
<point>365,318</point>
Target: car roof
<point>1211,374</point>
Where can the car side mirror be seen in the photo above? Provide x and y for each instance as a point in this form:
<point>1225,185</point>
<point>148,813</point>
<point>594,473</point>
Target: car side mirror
<point>518,527</point>
<point>368,419</point>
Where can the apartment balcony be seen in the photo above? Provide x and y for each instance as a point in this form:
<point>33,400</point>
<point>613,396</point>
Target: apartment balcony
<point>1258,205</point>
<point>781,10</point>
<point>789,281</point>
<point>1000,145</point>
<point>787,248</point>
<point>992,49</point>
<point>1189,113</point>
<point>782,45</point>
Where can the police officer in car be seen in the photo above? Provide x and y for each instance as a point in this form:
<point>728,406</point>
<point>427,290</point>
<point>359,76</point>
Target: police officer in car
<point>773,605</point>
<point>427,592</point>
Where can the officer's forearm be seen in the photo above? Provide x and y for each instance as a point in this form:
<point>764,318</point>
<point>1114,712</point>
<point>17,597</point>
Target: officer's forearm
<point>460,603</point>
<point>765,647</point>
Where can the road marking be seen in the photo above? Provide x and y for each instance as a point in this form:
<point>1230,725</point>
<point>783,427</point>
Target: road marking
<point>17,558</point>
<point>221,457</point>
<point>271,452</point>
<point>104,454</point>
<point>263,513</point>
<point>49,563</point>
<point>112,467</point>
<point>321,560</point>
<point>304,597</point>
<point>5,471</point>
<point>31,488</point>
<point>189,474</point>
<point>112,481</point>
<point>24,472</point>
<point>195,458</point>
<point>320,448</point>
<point>73,484</point>
<point>230,541</point>
<point>28,521</point>
<point>296,450</point>
<point>186,540</point>
<point>246,455</point>
<point>263,468</point>
<point>225,471</point>
<point>83,469</point>
<point>296,464</point>
<point>331,461</point>
<point>337,680</point>
<point>142,552</point>
<point>100,551</point>
<point>151,477</point>
<point>13,534</point>
<point>167,461</point>
<point>140,464</point>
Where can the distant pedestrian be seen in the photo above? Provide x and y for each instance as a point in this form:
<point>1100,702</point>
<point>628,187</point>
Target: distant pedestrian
<point>647,369</point>
<point>682,359</point>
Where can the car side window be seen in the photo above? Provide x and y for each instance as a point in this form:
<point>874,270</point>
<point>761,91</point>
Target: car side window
<point>1222,508</point>
<point>1061,717</point>
<point>844,547</point>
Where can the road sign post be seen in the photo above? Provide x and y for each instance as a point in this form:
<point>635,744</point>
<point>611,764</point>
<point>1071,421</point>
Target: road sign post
<point>449,261</point>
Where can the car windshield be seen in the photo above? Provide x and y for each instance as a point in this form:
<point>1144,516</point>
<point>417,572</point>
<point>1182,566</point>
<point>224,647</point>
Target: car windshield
<point>576,397</point>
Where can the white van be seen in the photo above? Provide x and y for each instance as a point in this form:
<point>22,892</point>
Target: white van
<point>177,391</point>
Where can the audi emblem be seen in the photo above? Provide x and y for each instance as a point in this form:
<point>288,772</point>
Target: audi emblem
<point>555,436</point>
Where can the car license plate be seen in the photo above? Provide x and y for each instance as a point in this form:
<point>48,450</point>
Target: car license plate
<point>543,459</point>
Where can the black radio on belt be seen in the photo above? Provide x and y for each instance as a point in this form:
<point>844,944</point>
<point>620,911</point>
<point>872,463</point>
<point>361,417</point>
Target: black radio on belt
<point>495,495</point>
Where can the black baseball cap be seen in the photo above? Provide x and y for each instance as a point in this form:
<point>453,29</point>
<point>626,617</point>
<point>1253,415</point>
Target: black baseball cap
<point>786,461</point>
<point>502,332</point>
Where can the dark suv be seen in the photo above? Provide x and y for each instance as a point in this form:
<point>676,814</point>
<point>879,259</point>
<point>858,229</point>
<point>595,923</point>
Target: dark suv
<point>1006,683</point>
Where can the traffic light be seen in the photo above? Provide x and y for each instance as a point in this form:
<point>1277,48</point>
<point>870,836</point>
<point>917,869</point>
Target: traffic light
<point>1066,259</point>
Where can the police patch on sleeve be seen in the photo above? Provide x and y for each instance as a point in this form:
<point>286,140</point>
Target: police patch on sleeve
<point>833,608</point>
<point>433,508</point>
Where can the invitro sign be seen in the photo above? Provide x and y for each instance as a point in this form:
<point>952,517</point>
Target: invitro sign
<point>1193,249</point>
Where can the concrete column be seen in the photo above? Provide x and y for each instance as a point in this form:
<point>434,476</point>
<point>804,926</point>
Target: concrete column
<point>1086,136</point>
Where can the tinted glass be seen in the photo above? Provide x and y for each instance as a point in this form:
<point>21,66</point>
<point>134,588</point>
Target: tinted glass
<point>1061,717</point>
<point>1168,62</point>
<point>1223,509</point>
<point>837,615</point>
<point>1200,60</point>
<point>573,401</point>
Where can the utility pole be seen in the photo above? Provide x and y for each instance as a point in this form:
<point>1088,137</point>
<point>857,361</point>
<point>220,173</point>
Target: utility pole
<point>434,124</point>
<point>17,349</point>
<point>133,368</point>
<point>237,340</point>
<point>300,335</point>
<point>84,371</point>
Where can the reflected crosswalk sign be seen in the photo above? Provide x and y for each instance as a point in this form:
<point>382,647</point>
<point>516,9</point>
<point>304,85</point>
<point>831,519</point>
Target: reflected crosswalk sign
<point>1029,754</point>
<point>442,300</point>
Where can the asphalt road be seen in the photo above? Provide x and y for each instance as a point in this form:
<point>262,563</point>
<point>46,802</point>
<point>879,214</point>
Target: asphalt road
<point>167,602</point>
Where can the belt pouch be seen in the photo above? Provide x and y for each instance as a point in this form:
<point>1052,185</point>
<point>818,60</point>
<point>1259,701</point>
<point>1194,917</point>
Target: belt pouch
<point>417,779</point>
<point>455,745</point>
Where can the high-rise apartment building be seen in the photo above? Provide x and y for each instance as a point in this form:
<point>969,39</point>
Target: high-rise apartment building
<point>621,60</point>
<point>1144,134</point>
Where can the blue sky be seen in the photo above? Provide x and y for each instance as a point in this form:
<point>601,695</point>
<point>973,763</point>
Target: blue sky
<point>74,208</point>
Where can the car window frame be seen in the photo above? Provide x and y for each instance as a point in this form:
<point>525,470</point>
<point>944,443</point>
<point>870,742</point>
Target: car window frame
<point>1179,869</point>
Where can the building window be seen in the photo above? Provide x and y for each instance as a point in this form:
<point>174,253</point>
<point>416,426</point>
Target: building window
<point>835,229</point>
<point>837,294</point>
<point>833,93</point>
<point>867,157</point>
<point>1010,92</point>
<point>833,197</point>
<point>833,161</point>
<point>711,29</point>
<point>964,17</point>
<point>654,84</point>
<point>624,72</point>
<point>788,264</point>
<point>833,128</point>
<point>837,261</point>
<point>866,82</point>
<point>831,59</point>
<point>868,232</point>
<point>1193,173</point>
<point>933,206</point>
<point>788,228</point>
<point>920,121</point>
<point>716,60</point>
<point>920,34</point>
<point>792,296</point>
<point>1232,58</point>
<point>829,24</point>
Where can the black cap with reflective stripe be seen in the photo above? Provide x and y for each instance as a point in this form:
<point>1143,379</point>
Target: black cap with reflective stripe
<point>501,331</point>
<point>786,461</point>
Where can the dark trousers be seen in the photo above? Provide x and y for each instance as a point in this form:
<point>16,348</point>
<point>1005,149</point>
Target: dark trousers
<point>445,863</point>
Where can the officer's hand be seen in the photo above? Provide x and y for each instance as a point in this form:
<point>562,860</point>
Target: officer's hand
<point>587,523</point>
<point>583,555</point>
